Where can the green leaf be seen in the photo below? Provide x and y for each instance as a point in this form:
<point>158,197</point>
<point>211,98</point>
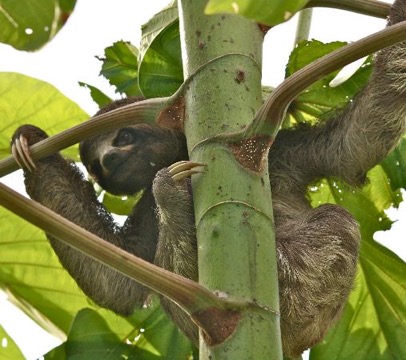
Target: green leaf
<point>386,282</point>
<point>120,205</point>
<point>308,51</point>
<point>29,270</point>
<point>58,353</point>
<point>32,274</point>
<point>160,71</point>
<point>120,68</point>
<point>320,97</point>
<point>395,167</point>
<point>147,334</point>
<point>30,24</point>
<point>269,12</point>
<point>380,189</point>
<point>97,95</point>
<point>25,100</point>
<point>373,325</point>
<point>91,338</point>
<point>9,350</point>
<point>370,215</point>
<point>158,334</point>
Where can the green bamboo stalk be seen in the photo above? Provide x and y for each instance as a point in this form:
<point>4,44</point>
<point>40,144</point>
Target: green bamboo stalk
<point>232,204</point>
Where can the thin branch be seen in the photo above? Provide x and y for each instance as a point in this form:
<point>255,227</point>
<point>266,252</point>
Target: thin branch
<point>143,111</point>
<point>191,296</point>
<point>269,117</point>
<point>365,7</point>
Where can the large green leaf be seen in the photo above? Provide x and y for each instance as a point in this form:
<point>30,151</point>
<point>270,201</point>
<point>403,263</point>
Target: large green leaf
<point>25,100</point>
<point>156,69</point>
<point>373,325</point>
<point>31,272</point>
<point>90,338</point>
<point>157,334</point>
<point>320,97</point>
<point>120,67</point>
<point>30,24</point>
<point>9,350</point>
<point>148,334</point>
<point>269,12</point>
<point>160,69</point>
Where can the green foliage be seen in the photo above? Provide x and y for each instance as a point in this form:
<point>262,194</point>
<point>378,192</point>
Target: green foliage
<point>373,323</point>
<point>320,97</point>
<point>97,95</point>
<point>120,68</point>
<point>10,349</point>
<point>160,57</point>
<point>269,12</point>
<point>395,167</point>
<point>101,334</point>
<point>31,272</point>
<point>120,205</point>
<point>156,69</point>
<point>30,24</point>
<point>27,100</point>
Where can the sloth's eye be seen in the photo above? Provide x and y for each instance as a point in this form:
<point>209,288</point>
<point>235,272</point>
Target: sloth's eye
<point>125,137</point>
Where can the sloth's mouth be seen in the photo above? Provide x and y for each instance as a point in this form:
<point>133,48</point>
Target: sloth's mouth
<point>114,169</point>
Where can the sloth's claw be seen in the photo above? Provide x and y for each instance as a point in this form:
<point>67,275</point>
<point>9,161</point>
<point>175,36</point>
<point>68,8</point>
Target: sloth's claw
<point>183,169</point>
<point>21,153</point>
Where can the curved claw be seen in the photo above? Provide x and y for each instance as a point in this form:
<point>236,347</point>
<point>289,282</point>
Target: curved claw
<point>21,153</point>
<point>184,169</point>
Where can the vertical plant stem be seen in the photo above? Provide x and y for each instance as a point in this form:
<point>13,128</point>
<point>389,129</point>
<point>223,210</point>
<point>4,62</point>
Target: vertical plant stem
<point>233,206</point>
<point>303,25</point>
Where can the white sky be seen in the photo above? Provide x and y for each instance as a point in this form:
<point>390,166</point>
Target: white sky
<point>94,25</point>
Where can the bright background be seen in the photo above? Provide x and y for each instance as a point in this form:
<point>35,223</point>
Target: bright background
<point>70,57</point>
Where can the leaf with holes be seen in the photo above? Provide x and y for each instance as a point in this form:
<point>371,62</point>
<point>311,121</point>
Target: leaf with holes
<point>30,24</point>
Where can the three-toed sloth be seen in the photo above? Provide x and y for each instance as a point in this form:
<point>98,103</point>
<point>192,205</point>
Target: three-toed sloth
<point>317,248</point>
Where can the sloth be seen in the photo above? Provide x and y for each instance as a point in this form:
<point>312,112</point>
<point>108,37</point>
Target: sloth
<point>317,248</point>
